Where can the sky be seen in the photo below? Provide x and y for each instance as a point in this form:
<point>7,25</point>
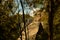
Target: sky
<point>28,9</point>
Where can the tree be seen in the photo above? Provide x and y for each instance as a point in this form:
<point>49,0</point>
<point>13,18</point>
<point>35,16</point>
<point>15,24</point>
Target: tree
<point>51,8</point>
<point>8,22</point>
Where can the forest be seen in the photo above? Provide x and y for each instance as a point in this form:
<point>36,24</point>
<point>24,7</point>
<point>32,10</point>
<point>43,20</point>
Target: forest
<point>29,20</point>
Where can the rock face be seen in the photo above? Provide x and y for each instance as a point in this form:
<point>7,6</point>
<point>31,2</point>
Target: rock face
<point>34,26</point>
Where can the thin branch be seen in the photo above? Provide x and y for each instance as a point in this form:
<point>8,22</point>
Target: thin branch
<point>23,19</point>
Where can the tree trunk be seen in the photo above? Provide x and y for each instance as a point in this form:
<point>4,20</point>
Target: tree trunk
<point>23,19</point>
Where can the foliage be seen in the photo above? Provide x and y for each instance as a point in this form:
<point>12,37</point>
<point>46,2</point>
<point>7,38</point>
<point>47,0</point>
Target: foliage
<point>9,29</point>
<point>8,24</point>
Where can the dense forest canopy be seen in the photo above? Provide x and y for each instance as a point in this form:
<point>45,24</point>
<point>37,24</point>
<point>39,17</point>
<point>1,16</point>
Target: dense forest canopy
<point>16,14</point>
